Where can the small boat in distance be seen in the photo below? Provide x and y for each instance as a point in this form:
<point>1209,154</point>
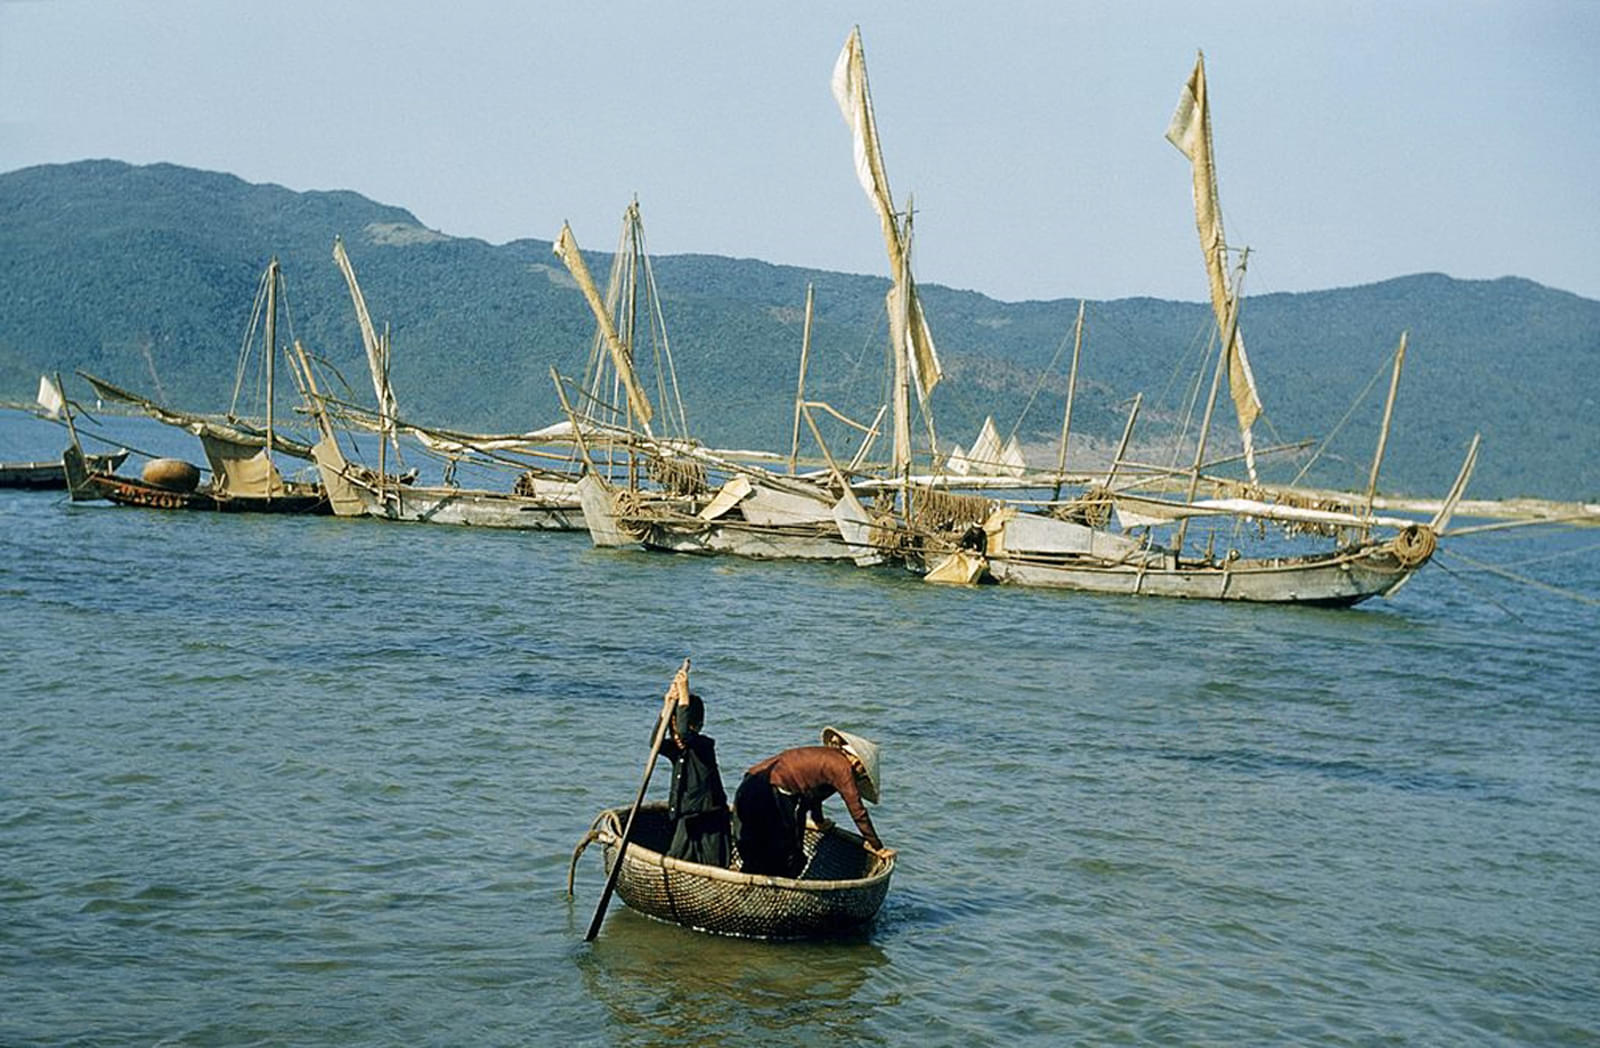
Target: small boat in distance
<point>244,477</point>
<point>542,497</point>
<point>52,476</point>
<point>838,893</point>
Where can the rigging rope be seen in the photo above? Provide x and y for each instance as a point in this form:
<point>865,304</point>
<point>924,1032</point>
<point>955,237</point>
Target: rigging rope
<point>1514,577</point>
<point>1349,412</point>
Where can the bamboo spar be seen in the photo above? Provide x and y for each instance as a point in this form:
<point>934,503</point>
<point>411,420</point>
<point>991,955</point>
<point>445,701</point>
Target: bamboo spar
<point>800,388</point>
<point>1228,332</point>
<point>1127,434</point>
<point>1072,389</point>
<point>1383,433</point>
<point>272,350</point>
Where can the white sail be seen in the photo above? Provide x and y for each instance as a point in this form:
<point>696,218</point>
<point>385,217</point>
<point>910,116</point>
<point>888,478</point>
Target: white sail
<point>50,398</point>
<point>985,453</point>
<point>957,462</point>
<point>1012,462</point>
<point>1190,132</point>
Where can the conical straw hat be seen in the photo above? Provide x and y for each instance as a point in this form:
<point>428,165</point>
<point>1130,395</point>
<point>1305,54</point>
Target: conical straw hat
<point>865,750</point>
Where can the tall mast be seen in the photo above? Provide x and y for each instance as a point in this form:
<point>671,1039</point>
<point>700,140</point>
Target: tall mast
<point>1383,433</point>
<point>900,337</point>
<point>800,388</point>
<point>566,248</point>
<point>1127,435</point>
<point>1223,357</point>
<point>272,346</point>
<point>1072,389</point>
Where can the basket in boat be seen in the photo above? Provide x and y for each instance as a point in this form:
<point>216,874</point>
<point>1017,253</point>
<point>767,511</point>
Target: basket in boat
<point>838,892</point>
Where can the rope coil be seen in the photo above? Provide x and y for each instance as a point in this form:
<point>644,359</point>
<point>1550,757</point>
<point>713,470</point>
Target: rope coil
<point>1414,545</point>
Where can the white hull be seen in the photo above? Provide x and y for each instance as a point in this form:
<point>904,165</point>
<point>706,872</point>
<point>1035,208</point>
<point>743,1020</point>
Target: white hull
<point>483,509</point>
<point>354,492</point>
<point>1340,578</point>
<point>782,531</point>
<point>743,539</point>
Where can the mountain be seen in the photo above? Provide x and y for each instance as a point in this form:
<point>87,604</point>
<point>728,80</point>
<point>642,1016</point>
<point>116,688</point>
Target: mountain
<point>145,276</point>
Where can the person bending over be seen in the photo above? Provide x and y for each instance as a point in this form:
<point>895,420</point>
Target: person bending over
<point>776,795</point>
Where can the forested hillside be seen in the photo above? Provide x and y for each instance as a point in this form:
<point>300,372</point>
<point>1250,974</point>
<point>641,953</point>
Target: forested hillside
<point>145,276</point>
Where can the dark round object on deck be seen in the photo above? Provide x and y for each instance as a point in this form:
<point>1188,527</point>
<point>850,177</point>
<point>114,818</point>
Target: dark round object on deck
<point>171,474</point>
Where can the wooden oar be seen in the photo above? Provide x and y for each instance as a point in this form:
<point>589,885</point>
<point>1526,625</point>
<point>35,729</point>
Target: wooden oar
<point>627,829</point>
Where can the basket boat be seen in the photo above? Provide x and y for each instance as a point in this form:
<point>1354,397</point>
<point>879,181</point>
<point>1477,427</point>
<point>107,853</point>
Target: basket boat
<point>837,893</point>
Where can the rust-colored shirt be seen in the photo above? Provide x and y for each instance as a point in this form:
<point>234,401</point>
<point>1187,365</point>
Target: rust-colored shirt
<point>817,773</point>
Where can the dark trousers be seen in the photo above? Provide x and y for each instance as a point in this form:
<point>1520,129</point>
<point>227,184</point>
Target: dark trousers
<point>768,828</point>
<point>701,837</point>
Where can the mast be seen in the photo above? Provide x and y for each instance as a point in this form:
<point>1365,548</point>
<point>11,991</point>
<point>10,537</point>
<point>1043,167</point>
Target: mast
<point>899,322</point>
<point>1127,434</point>
<point>66,409</point>
<point>1072,389</point>
<point>1383,432</point>
<point>800,388</point>
<point>566,248</point>
<point>272,348</point>
<point>1211,404</point>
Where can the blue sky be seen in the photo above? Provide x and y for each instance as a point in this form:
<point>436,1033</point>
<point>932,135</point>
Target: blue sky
<point>1355,141</point>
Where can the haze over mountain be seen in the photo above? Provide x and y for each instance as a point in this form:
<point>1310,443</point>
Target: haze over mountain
<point>145,276</point>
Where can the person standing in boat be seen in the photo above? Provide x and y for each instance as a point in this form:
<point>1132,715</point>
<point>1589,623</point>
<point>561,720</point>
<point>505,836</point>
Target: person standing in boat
<point>696,801</point>
<point>776,796</point>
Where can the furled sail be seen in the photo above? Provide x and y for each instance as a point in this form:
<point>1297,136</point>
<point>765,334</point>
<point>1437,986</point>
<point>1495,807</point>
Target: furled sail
<point>377,349</point>
<point>1135,511</point>
<point>1190,131</point>
<point>855,102</point>
<point>235,432</point>
<point>566,249</point>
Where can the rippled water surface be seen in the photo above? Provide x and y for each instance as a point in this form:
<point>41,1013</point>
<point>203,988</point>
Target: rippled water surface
<point>311,781</point>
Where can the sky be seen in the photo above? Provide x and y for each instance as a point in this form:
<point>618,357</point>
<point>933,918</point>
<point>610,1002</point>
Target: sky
<point>1355,141</point>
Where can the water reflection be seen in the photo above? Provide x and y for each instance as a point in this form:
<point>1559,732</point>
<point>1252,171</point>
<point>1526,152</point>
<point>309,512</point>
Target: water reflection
<point>687,986</point>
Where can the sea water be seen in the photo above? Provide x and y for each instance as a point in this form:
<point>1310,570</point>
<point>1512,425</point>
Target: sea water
<point>307,781</point>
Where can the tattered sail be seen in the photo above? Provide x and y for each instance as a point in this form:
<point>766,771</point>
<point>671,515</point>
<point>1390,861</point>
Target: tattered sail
<point>566,249</point>
<point>377,349</point>
<point>242,470</point>
<point>1190,131</point>
<point>855,102</point>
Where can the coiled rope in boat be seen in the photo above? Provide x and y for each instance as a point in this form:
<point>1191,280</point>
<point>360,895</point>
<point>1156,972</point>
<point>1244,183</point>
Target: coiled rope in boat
<point>1414,545</point>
